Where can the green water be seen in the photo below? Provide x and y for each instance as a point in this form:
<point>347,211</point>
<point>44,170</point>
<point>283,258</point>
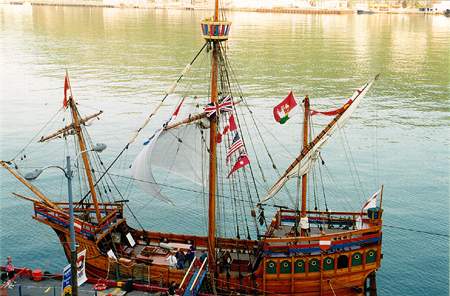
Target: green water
<point>121,61</point>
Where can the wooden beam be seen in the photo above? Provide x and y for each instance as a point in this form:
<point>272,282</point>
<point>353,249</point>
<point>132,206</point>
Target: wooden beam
<point>68,128</point>
<point>28,185</point>
<point>25,197</point>
<point>87,166</point>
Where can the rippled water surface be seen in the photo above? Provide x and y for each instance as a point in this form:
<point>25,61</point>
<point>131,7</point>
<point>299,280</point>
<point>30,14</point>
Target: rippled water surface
<point>121,61</point>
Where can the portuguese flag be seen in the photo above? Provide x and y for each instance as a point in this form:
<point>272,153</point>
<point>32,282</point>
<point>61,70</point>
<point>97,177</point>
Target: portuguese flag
<point>281,111</point>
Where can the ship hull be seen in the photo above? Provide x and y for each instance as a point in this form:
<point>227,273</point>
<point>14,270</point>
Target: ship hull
<point>350,280</point>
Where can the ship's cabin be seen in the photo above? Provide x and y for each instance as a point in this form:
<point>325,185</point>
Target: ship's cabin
<point>286,222</point>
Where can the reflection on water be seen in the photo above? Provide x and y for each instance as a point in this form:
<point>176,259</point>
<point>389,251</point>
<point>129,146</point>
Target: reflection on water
<point>122,60</point>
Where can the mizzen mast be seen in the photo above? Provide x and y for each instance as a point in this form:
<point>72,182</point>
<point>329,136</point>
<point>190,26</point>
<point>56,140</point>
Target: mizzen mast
<point>303,217</point>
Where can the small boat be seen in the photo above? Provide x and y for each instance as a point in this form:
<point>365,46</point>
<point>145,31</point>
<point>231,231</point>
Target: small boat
<point>362,11</point>
<point>305,248</point>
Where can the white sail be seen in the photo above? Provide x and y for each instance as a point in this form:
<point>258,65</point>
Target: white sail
<point>303,163</point>
<point>178,151</point>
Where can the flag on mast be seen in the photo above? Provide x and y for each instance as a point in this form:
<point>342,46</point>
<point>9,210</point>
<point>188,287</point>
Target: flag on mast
<point>230,127</point>
<point>281,111</point>
<point>371,202</point>
<point>66,87</point>
<point>240,163</point>
<point>235,146</point>
<point>177,109</point>
<point>225,105</point>
<point>333,112</point>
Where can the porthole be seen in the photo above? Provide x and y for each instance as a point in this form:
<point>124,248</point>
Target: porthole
<point>299,266</point>
<point>314,265</point>
<point>371,256</point>
<point>285,266</point>
<point>271,267</point>
<point>356,259</point>
<point>328,263</point>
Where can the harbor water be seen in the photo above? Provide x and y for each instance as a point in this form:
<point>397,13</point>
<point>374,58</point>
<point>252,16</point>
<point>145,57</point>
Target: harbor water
<point>122,60</point>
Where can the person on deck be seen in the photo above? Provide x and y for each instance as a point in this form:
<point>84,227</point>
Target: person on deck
<point>172,260</point>
<point>189,257</point>
<point>10,270</point>
<point>181,259</point>
<point>172,288</point>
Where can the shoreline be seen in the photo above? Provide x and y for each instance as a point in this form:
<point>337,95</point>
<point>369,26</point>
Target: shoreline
<point>287,10</point>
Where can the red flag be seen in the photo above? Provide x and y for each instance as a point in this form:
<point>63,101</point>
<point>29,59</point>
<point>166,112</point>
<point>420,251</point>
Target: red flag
<point>333,112</point>
<point>232,124</point>
<point>230,127</point>
<point>219,138</point>
<point>240,163</point>
<point>66,87</point>
<point>177,109</point>
<point>281,111</point>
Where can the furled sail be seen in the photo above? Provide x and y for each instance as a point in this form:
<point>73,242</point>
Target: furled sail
<point>169,152</point>
<point>303,163</point>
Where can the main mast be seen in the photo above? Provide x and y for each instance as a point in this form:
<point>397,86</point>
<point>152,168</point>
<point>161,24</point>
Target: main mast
<point>214,31</point>
<point>213,155</point>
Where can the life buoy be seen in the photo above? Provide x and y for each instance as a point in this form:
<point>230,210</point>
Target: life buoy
<point>100,286</point>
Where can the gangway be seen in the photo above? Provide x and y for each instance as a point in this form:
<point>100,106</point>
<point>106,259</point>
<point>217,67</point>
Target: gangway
<point>193,279</point>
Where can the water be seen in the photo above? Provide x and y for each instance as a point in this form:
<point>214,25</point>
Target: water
<point>121,61</point>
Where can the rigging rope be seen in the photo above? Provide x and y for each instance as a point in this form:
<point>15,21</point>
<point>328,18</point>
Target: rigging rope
<point>37,134</point>
<point>146,121</point>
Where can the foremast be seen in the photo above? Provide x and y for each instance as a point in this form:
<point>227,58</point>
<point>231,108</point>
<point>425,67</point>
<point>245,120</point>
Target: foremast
<point>84,156</point>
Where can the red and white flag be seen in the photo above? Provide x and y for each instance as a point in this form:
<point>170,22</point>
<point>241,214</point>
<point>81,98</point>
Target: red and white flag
<point>371,202</point>
<point>281,111</point>
<point>240,163</point>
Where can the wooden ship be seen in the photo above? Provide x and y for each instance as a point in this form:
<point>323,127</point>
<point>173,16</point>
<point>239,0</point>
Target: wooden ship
<point>300,251</point>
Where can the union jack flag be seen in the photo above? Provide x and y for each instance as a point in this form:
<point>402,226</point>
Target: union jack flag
<point>225,105</point>
<point>236,145</point>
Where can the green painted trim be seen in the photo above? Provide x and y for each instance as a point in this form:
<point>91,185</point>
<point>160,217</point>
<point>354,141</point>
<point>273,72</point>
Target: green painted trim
<point>271,267</point>
<point>356,259</point>
<point>285,266</point>
<point>314,265</point>
<point>299,266</point>
<point>371,256</point>
<point>328,263</point>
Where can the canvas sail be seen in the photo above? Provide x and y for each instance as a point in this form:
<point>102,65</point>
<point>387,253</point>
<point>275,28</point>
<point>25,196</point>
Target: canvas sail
<point>303,163</point>
<point>174,152</point>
